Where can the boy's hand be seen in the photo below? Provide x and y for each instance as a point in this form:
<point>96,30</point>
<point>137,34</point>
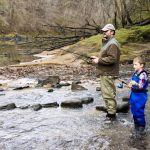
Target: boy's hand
<point>133,82</point>
<point>128,86</point>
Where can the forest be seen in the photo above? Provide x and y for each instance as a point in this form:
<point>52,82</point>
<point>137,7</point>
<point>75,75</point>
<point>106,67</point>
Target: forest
<point>46,15</point>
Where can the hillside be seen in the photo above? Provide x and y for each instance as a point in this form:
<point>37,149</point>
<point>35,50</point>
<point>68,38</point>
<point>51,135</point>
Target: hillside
<point>134,41</point>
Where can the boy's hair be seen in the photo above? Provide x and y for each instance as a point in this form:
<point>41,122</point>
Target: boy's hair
<point>140,60</point>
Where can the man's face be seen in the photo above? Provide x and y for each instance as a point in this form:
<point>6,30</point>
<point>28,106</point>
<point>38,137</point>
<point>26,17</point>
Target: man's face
<point>107,34</point>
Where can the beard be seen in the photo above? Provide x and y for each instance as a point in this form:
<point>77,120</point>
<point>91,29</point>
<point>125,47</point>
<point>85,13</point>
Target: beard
<point>105,39</point>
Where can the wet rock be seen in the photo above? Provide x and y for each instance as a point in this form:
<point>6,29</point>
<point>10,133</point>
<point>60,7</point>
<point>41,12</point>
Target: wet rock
<point>21,88</point>
<point>77,82</point>
<point>76,87</point>
<point>101,108</point>
<point>50,79</point>
<point>98,89</point>
<point>57,86</point>
<point>1,90</point>
<point>47,86</point>
<point>126,99</point>
<point>54,104</point>
<point>74,103</point>
<point>87,100</point>
<point>8,106</point>
<point>36,107</point>
<point>62,83</point>
<point>50,90</point>
<point>121,108</point>
<point>24,107</point>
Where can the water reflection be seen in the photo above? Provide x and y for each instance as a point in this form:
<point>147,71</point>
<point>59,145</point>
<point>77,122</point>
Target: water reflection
<point>10,55</point>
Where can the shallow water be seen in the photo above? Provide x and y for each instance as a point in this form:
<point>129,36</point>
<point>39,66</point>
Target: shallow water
<point>15,53</point>
<point>54,128</point>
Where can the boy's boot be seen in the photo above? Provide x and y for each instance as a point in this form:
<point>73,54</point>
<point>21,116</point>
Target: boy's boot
<point>135,130</point>
<point>142,130</point>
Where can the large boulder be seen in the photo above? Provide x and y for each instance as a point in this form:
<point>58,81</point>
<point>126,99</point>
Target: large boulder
<point>53,80</point>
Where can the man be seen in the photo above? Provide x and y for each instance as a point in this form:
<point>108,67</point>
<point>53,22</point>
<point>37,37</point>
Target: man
<point>108,68</point>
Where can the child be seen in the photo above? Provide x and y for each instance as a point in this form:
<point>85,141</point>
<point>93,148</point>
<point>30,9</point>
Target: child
<point>139,96</point>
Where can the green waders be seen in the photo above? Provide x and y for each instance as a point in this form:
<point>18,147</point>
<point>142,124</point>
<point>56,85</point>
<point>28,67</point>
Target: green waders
<point>109,93</point>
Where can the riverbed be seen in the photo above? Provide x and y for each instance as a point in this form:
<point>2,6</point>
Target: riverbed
<point>64,128</point>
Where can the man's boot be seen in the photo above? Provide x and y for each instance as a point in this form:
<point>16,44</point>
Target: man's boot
<point>110,118</point>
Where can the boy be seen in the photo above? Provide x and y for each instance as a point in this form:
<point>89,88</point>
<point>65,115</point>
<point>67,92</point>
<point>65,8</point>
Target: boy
<point>139,96</point>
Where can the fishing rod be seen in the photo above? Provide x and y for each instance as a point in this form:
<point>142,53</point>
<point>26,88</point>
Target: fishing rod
<point>89,61</point>
<point>81,55</point>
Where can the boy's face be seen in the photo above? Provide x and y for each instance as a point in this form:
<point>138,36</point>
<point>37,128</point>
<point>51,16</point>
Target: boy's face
<point>137,66</point>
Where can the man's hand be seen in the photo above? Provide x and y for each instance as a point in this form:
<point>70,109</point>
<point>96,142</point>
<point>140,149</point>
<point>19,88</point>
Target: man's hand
<point>94,59</point>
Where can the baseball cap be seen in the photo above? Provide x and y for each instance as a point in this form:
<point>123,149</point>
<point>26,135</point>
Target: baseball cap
<point>108,27</point>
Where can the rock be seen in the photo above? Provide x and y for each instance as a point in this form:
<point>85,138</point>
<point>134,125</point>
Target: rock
<point>47,85</point>
<point>8,106</point>
<point>54,104</point>
<point>87,100</point>
<point>24,107</point>
<point>126,99</point>
<point>101,108</point>
<point>98,88</point>
<point>36,107</point>
<point>122,108</point>
<point>21,88</point>
<point>1,90</point>
<point>77,82</point>
<point>62,83</point>
<point>53,80</point>
<point>74,103</point>
<point>50,90</point>
<point>57,86</point>
<point>76,87</point>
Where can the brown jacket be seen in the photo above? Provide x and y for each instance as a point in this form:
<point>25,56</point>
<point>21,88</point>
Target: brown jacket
<point>109,58</point>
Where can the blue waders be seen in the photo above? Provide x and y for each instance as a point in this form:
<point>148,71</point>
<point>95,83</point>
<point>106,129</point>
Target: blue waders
<point>138,100</point>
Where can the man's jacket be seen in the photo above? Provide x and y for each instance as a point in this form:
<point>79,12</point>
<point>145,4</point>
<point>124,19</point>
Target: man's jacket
<point>109,58</point>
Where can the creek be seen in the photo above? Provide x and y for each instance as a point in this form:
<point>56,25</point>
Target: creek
<point>62,128</point>
<point>57,128</point>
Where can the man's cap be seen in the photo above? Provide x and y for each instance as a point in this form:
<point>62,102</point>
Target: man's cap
<point>108,27</point>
